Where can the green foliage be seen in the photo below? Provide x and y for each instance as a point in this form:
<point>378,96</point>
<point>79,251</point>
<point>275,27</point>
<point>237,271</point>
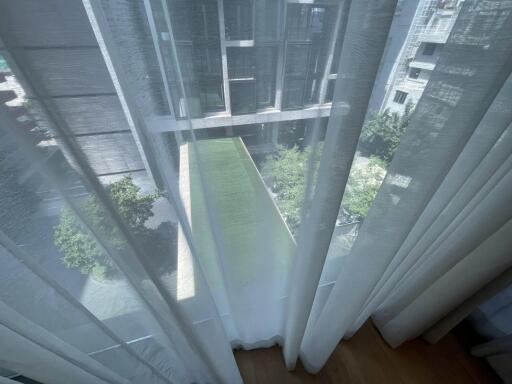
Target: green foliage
<point>80,250</point>
<point>382,132</point>
<point>286,172</point>
<point>362,185</point>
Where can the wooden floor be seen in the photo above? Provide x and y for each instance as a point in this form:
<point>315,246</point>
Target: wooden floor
<point>367,359</point>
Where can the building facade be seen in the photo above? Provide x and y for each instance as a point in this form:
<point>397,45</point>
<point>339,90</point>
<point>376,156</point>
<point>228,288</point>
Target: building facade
<point>260,67</point>
<point>429,30</point>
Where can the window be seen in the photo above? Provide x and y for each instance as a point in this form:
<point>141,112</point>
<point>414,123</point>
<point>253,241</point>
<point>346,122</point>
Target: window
<point>238,19</point>
<point>304,22</point>
<point>414,73</point>
<point>207,60</point>
<point>400,97</point>
<point>196,30</point>
<point>315,67</point>
<point>211,94</point>
<point>329,95</point>
<point>265,92</point>
<point>296,70</point>
<point>241,63</point>
<point>429,49</point>
<point>266,62</point>
<point>293,94</point>
<point>297,59</point>
<point>242,97</point>
<point>257,65</point>
<point>194,20</point>
<point>267,13</point>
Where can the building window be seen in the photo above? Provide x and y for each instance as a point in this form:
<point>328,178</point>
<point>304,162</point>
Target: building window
<point>241,63</point>
<point>414,73</point>
<point>297,56</point>
<point>293,94</point>
<point>266,62</point>
<point>429,49</point>
<point>255,65</point>
<point>306,22</point>
<point>196,31</point>
<point>316,68</point>
<point>194,20</point>
<point>267,13</point>
<point>400,97</point>
<point>296,71</point>
<point>242,94</point>
<point>211,94</point>
<point>207,60</point>
<point>238,19</point>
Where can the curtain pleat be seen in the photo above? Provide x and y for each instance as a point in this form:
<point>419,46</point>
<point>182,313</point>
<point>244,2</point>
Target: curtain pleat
<point>65,357</point>
<point>481,164</point>
<point>463,279</point>
<point>466,81</point>
<point>368,24</point>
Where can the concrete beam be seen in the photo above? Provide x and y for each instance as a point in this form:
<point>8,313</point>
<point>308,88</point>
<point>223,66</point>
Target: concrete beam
<point>168,124</point>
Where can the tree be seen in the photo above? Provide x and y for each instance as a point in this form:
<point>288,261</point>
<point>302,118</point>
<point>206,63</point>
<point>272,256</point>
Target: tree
<point>382,132</point>
<point>80,250</point>
<point>362,185</point>
<point>285,173</point>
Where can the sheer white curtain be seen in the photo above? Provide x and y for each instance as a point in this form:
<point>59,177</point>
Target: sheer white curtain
<point>187,97</point>
<point>436,231</point>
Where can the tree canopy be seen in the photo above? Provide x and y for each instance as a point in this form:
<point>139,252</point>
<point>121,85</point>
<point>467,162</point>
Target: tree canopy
<point>382,132</point>
<point>285,173</point>
<point>80,250</point>
<point>362,185</point>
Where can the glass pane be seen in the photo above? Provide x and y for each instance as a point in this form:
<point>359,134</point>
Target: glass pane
<point>212,94</point>
<point>241,63</point>
<point>194,20</point>
<point>306,23</point>
<point>266,62</point>
<point>238,17</point>
<point>299,22</point>
<point>242,97</point>
<point>293,94</point>
<point>297,56</point>
<point>267,16</point>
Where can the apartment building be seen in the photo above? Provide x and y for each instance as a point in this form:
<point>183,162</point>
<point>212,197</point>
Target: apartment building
<point>428,32</point>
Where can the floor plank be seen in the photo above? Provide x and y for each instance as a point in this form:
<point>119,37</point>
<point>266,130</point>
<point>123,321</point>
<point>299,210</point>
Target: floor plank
<point>367,359</point>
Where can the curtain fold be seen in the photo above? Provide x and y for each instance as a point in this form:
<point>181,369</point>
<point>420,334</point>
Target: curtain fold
<point>176,174</point>
<point>367,28</point>
<point>27,333</point>
<point>483,163</point>
<point>460,92</point>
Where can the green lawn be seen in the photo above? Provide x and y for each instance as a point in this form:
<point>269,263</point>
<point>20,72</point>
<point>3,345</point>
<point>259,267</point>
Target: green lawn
<point>254,236</point>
